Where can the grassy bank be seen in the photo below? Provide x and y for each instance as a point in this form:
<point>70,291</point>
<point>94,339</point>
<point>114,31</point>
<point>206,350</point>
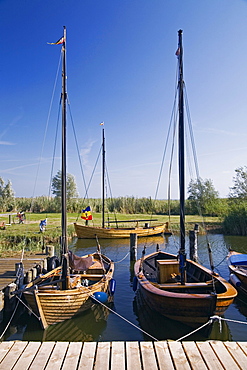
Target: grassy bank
<point>27,235</point>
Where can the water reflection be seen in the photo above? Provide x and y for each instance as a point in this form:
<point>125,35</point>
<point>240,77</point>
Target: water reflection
<point>162,328</point>
<point>86,327</point>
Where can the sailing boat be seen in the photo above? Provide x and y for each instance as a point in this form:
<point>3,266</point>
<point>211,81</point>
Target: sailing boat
<point>78,282</point>
<point>103,232</point>
<point>175,286</point>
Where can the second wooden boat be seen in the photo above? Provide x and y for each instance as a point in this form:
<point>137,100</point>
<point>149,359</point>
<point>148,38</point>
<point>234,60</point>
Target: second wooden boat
<point>191,302</point>
<point>83,231</point>
<point>173,285</point>
<point>103,232</point>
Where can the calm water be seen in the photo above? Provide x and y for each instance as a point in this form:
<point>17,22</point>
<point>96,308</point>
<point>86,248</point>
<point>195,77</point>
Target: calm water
<point>103,325</point>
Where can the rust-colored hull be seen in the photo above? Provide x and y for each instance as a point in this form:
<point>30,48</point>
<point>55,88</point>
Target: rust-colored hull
<point>89,232</point>
<point>194,308</point>
<point>53,306</point>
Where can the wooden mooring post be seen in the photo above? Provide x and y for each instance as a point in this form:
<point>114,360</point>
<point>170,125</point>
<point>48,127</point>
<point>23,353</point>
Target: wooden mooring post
<point>133,247</point>
<point>193,243</point>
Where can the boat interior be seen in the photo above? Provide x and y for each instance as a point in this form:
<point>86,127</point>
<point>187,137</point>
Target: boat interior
<point>84,271</point>
<point>162,270</point>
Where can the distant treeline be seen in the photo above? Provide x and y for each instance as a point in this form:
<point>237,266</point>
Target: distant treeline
<point>125,205</point>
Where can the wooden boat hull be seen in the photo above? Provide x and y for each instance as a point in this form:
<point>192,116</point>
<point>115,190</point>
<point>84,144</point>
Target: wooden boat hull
<point>193,305</point>
<point>240,272</point>
<point>56,305</point>
<point>89,232</point>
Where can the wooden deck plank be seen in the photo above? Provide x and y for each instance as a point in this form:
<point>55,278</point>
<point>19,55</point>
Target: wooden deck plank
<point>12,356</point>
<point>133,356</point>
<point>209,356</point>
<point>178,356</point>
<point>72,356</point>
<point>87,356</point>
<point>102,360</point>
<point>57,356</point>
<point>118,356</point>
<point>42,356</point>
<point>163,355</point>
<point>224,356</point>
<point>194,356</point>
<point>243,346</point>
<point>27,356</point>
<point>237,353</point>
<point>7,267</point>
<point>4,349</point>
<point>148,356</point>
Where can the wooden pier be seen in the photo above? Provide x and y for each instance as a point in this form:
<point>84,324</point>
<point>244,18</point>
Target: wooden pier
<point>160,355</point>
<point>8,276</point>
<point>8,271</point>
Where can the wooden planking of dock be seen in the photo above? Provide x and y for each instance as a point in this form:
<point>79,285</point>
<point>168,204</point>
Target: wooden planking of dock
<point>7,267</point>
<point>162,355</point>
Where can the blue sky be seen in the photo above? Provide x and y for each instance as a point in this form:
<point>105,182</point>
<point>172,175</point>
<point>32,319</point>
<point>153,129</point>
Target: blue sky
<point>121,69</point>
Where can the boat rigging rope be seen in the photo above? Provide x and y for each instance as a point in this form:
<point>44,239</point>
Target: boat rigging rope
<point>46,128</point>
<point>198,178</point>
<point>78,151</point>
<point>54,150</point>
<point>90,180</point>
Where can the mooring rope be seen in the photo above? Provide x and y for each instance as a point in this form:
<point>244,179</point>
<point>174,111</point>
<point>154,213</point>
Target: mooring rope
<point>194,331</point>
<point>122,258</point>
<point>7,326</point>
<point>209,322</point>
<point>230,320</point>
<point>129,322</point>
<point>33,313</point>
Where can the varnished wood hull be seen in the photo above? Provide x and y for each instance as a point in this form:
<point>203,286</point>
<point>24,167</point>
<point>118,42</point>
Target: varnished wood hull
<point>89,232</point>
<point>53,306</point>
<point>193,307</point>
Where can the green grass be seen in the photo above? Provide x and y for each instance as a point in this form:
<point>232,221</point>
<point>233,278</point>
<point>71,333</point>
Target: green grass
<point>27,235</point>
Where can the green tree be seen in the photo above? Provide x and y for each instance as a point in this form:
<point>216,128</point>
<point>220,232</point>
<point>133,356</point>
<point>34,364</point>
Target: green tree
<point>239,190</point>
<point>7,196</point>
<point>203,196</point>
<point>70,184</point>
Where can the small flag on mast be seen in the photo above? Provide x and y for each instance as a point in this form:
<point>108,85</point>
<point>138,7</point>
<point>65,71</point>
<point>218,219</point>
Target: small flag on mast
<point>86,214</point>
<point>178,52</point>
<point>102,124</point>
<point>60,41</point>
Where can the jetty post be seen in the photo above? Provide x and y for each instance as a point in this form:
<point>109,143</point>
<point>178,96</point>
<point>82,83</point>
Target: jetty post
<point>133,247</point>
<point>193,236</point>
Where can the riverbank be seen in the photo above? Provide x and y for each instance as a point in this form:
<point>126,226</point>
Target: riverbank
<point>14,235</point>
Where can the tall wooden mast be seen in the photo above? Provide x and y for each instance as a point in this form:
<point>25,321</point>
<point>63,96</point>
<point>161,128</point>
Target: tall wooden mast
<point>103,177</point>
<point>182,255</point>
<point>64,242</point>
